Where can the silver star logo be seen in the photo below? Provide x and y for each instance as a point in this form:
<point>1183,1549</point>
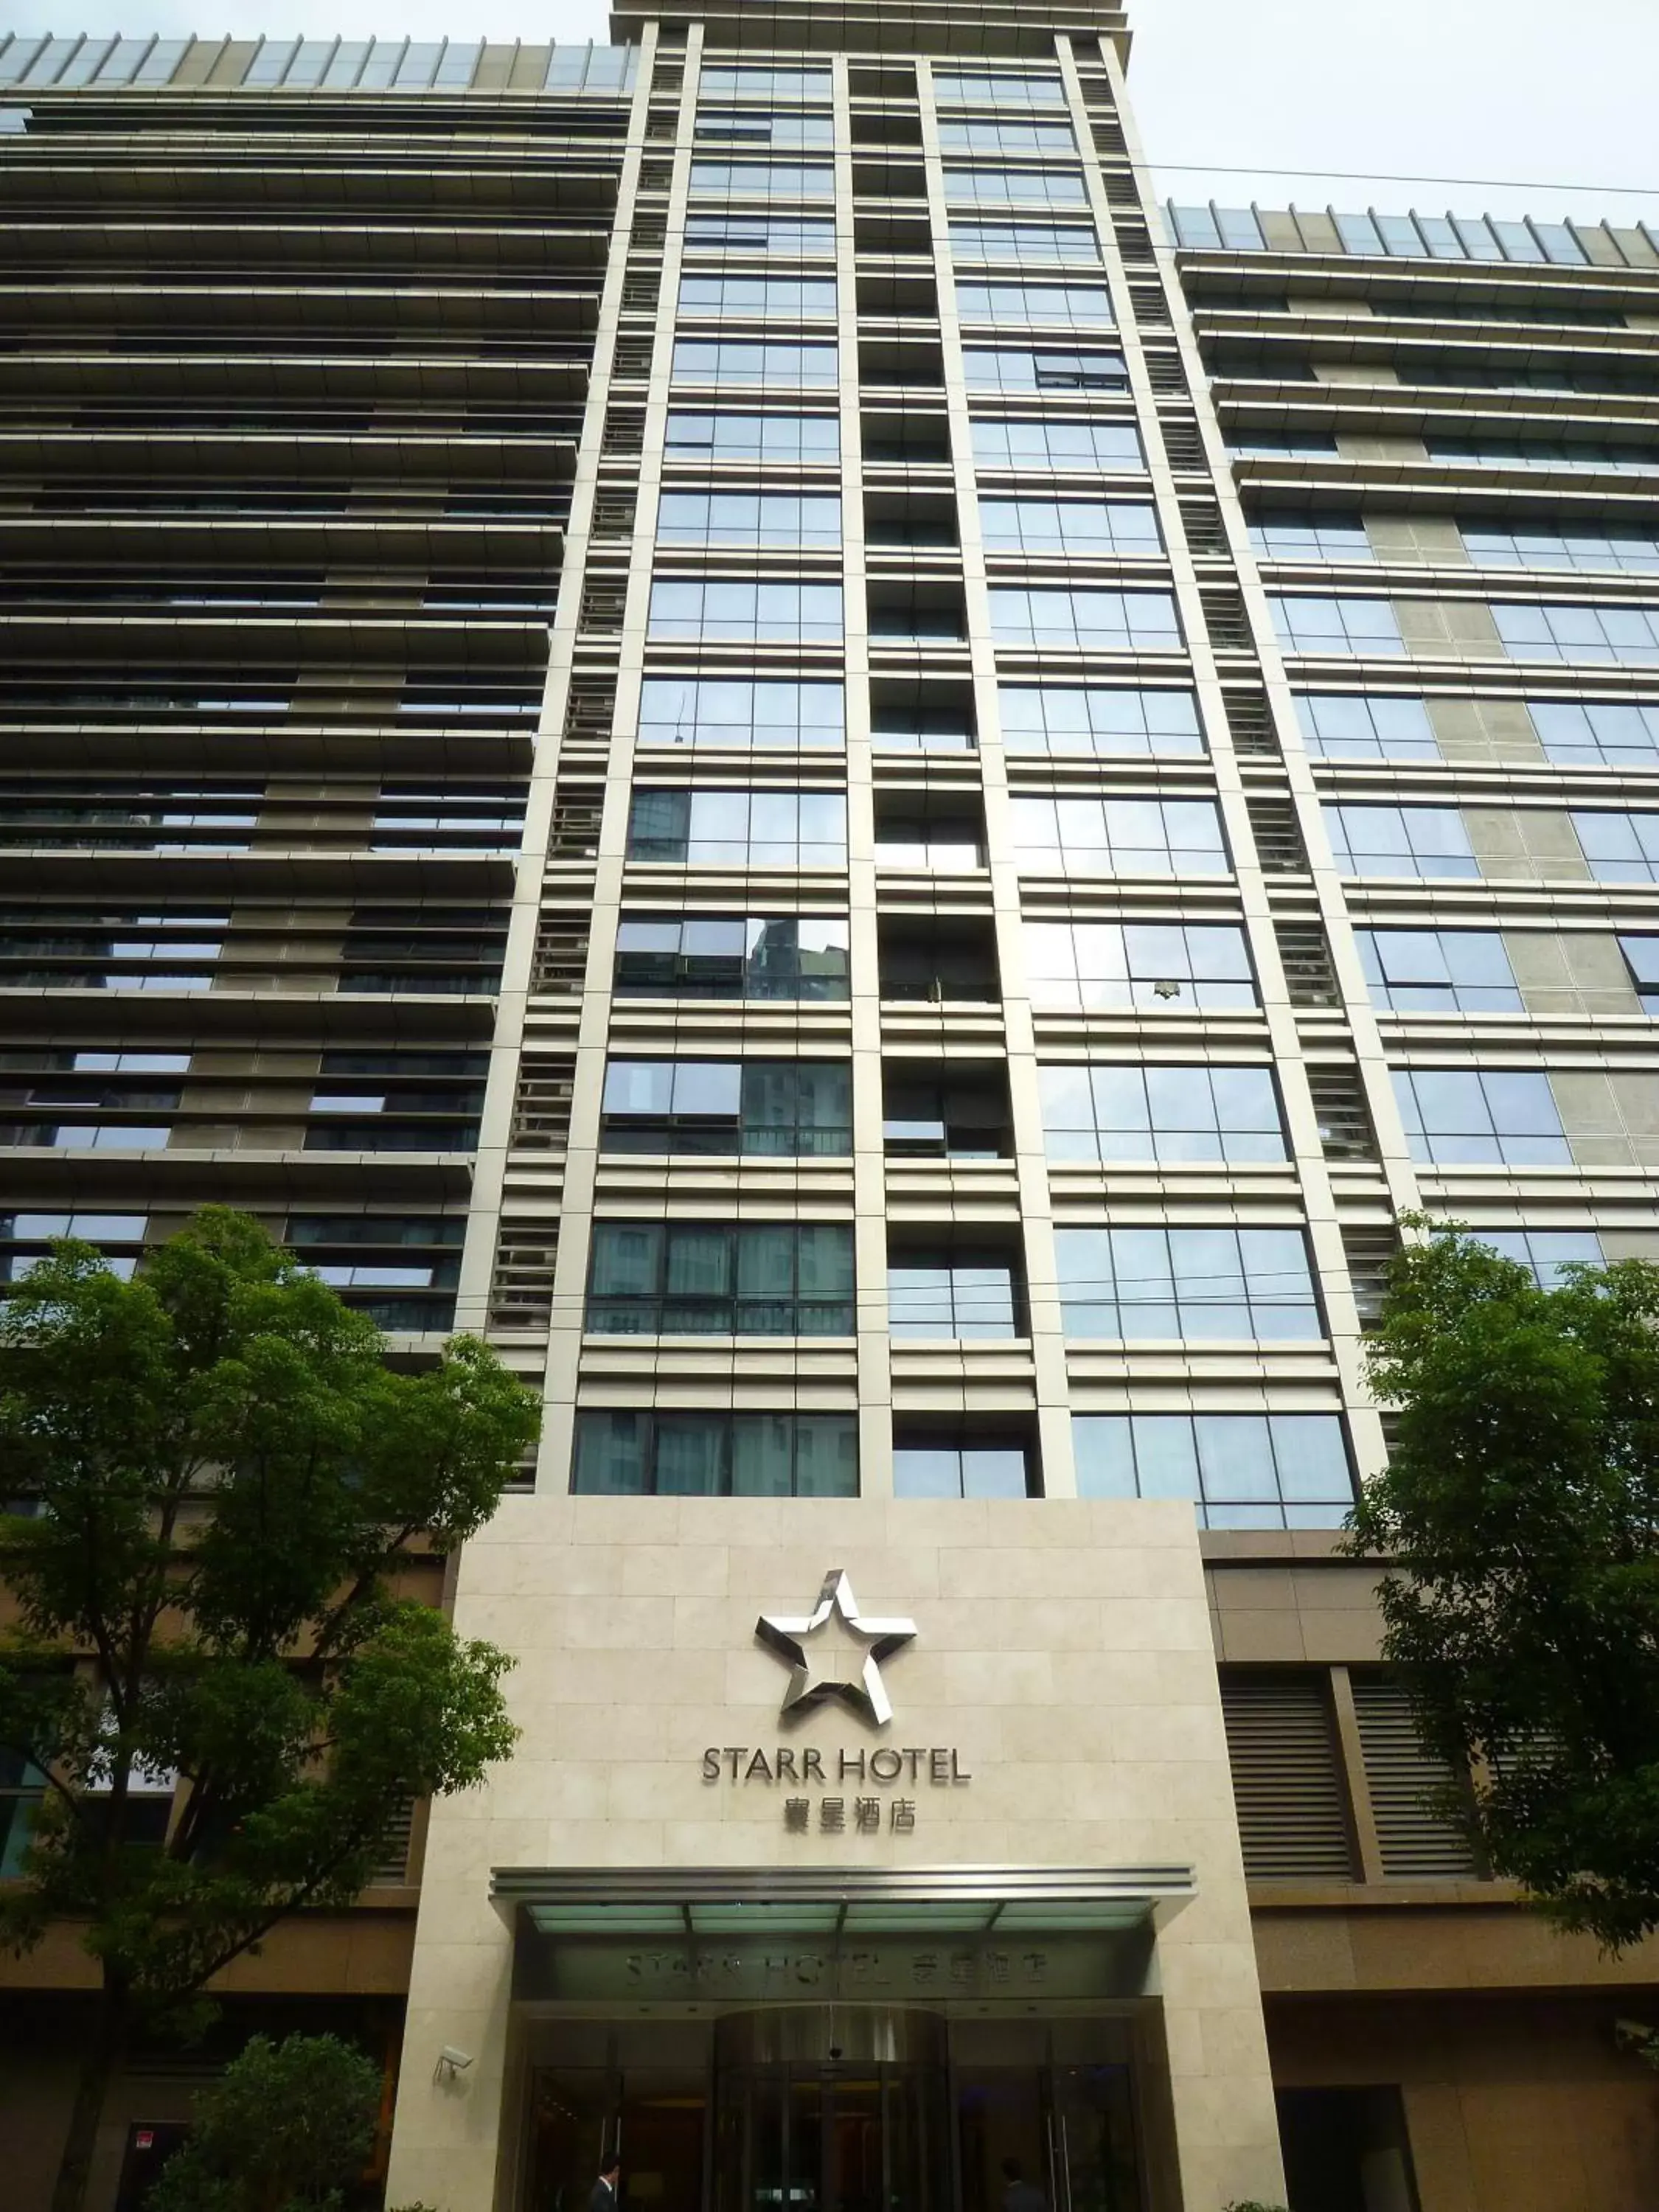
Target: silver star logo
<point>787,1638</point>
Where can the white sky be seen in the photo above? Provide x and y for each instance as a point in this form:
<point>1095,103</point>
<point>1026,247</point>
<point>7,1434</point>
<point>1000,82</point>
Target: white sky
<point>1559,99</point>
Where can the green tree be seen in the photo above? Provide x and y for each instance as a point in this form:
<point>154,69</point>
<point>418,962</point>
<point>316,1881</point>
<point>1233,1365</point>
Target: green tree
<point>1520,1517</point>
<point>287,2128</point>
<point>229,1481</point>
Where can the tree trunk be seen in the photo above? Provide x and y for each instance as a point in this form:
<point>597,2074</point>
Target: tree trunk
<point>99,2062</point>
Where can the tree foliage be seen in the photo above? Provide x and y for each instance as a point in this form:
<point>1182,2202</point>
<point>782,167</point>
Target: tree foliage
<point>1520,1512</point>
<point>287,2128</point>
<point>229,1481</point>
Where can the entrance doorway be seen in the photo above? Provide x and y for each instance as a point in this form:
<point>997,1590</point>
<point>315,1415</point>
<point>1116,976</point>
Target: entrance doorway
<point>833,2108</point>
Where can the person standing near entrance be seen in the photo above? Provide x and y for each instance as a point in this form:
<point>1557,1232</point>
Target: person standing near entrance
<point>604,2198</point>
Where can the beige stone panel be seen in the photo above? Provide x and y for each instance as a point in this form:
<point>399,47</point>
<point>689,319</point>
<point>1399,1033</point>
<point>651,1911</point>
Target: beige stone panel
<point>1629,1243</point>
<point>1428,540</point>
<point>1591,1116</point>
<point>1536,844</point>
<point>1355,372</point>
<point>1484,729</point>
<point>1576,977</point>
<point>1344,1635</point>
<point>1636,1097</point>
<point>1440,630</point>
<point>1259,1639</point>
<point>1355,445</point>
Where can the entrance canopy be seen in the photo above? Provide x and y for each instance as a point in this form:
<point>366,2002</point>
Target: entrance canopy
<point>835,1902</point>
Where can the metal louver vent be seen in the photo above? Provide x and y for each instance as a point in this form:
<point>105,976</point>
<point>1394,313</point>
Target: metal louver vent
<point>1181,443</point>
<point>1339,1104</point>
<point>1095,88</point>
<point>1226,619</point>
<point>391,1868</point>
<point>632,358</point>
<point>1164,372</point>
<point>656,176</point>
<point>650,230</point>
<point>661,122</point>
<point>559,967</point>
<point>639,295</point>
<point>541,1115</point>
<point>1251,720</point>
<point>1309,976</point>
<point>624,430</point>
<point>1369,1252</point>
<point>1287,1779</point>
<point>1108,133</point>
<point>1120,189</point>
<point>591,707</point>
<point>1205,531</point>
<point>602,605</point>
<point>613,515</point>
<point>521,1289</point>
<point>1149,305</point>
<point>1278,844</point>
<point>1416,1838</point>
<point>577,815</point>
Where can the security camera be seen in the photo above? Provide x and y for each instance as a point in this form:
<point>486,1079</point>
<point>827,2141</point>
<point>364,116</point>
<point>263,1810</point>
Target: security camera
<point>457,2059</point>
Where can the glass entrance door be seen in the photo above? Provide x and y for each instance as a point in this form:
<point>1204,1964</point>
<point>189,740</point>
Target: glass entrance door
<point>1052,2138</point>
<point>651,2118</point>
<point>862,2136</point>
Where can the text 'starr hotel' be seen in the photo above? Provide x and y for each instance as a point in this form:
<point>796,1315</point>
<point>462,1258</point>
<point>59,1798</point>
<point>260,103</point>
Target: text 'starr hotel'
<point>716,707</point>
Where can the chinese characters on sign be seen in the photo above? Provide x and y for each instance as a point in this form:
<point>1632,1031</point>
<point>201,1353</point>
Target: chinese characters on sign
<point>888,1969</point>
<point>858,1813</point>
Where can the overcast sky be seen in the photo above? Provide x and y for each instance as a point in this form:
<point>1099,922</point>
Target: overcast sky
<point>1561,100</point>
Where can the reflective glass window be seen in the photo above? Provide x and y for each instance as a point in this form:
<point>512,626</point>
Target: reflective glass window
<point>1240,1470</point>
<point>716,956</point>
<point>1337,725</point>
<point>1627,634</point>
<point>792,521</point>
<point>1086,622</point>
<point>739,828</point>
<point>1311,536</point>
<point>1621,848</point>
<point>1064,719</point>
<point>720,1279</point>
<point>741,612</point>
<point>1364,626</point>
<point>674,1454</point>
<point>1189,1285</point>
<point>1400,841</point>
<point>1095,448</point>
<point>1105,1113</point>
<point>1157,967</point>
<point>776,716</point>
<point>1416,971</point>
<point>1117,836</point>
<point>1461,1117</point>
<point>786,440</point>
<point>1622,734</point>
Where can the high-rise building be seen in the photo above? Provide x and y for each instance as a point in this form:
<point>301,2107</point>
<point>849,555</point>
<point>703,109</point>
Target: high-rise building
<point>716,707</point>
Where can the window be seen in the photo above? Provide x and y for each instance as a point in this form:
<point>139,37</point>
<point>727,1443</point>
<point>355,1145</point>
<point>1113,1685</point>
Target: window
<point>1311,538</point>
<point>720,1279</point>
<point>449,949</point>
<point>800,299</point>
<point>22,1792</point>
<point>1174,1115</point>
<point>1580,633</point>
<point>1428,971</point>
<point>1336,726</point>
<point>1642,958</point>
<point>953,1287</point>
<point>1001,368</point>
<point>793,521</point>
<point>1117,837</point>
<point>1098,449</point>
<point>763,181</point>
<point>579,68</point>
<point>1133,1285</point>
<point>1242,1470</point>
<point>1554,549</point>
<point>402,1270</point>
<point>720,83</point>
<point>1015,187</point>
<point>717,956</point>
<point>1086,622</point>
<point>1400,841</point>
<point>749,129</point>
<point>953,90</point>
<point>1268,445</point>
<point>748,362</point>
<point>1156,967</point>
<point>739,828</point>
<point>739,611</point>
<point>153,818</point>
<point>1015,304</point>
<point>763,717</point>
<point>722,1108</point>
<point>1597,734</point>
<point>1234,229</point>
<point>422,1101</point>
<point>1548,1252</point>
<point>46,948</point>
<point>1086,528</point>
<point>25,1239</point>
<point>1028,245</point>
<point>1621,848</point>
<point>1063,720</point>
<point>1013,139</point>
<point>793,439</point>
<point>1364,626</point>
<point>1460,1118</point>
<point>945,1460</point>
<point>668,1455</point>
<point>1598,454</point>
<point>959,1113</point>
<point>725,231</point>
<point>942,834</point>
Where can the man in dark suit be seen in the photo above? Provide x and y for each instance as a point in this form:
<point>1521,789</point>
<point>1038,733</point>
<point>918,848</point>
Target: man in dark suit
<point>604,2198</point>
